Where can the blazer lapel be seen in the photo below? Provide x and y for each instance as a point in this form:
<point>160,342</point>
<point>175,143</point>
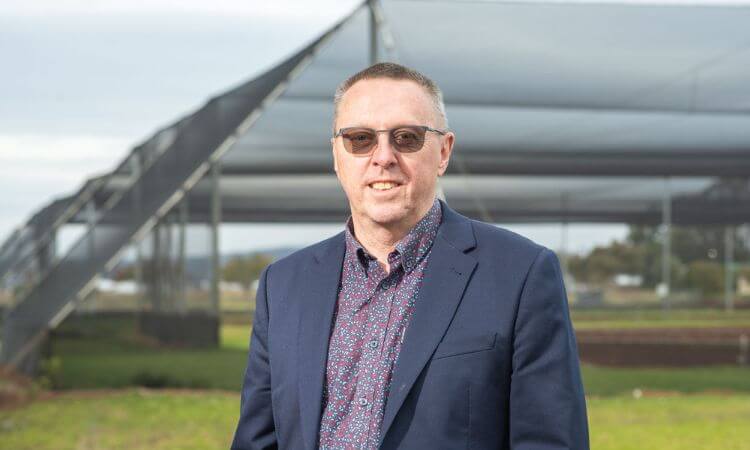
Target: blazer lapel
<point>317,289</point>
<point>447,273</point>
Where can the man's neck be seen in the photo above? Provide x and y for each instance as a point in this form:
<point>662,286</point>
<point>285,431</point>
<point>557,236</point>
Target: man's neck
<point>380,240</point>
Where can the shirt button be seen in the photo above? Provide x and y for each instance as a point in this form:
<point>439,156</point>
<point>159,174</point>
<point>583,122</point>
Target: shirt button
<point>362,401</point>
<point>373,344</point>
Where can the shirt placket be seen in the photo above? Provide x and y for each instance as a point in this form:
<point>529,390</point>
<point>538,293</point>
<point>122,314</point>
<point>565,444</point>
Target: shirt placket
<point>382,342</point>
<point>372,355</point>
<point>360,303</point>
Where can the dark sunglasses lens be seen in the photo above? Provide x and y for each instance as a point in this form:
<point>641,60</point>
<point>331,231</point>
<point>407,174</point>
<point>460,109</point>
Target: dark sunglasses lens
<point>408,139</point>
<point>359,141</point>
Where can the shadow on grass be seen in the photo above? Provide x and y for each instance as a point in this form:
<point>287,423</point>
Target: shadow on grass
<point>108,352</point>
<point>611,381</point>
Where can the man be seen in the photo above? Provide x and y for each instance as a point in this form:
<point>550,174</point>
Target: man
<point>415,327</point>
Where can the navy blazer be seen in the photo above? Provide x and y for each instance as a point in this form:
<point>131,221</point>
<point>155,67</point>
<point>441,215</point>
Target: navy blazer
<point>489,358</point>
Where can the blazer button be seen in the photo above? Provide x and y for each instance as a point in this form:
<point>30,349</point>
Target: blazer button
<point>362,401</point>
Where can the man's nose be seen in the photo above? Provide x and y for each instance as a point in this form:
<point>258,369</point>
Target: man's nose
<point>384,154</point>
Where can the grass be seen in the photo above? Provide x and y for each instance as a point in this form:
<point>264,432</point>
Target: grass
<point>648,318</point>
<point>610,381</point>
<point>136,419</point>
<point>111,355</point>
<point>241,301</point>
<point>670,423</point>
<point>129,419</point>
<point>214,369</point>
<point>236,337</point>
<point>680,408</point>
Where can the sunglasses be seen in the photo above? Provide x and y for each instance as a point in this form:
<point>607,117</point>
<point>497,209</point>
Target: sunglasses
<point>361,141</point>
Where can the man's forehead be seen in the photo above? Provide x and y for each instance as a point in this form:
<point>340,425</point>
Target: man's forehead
<point>375,98</point>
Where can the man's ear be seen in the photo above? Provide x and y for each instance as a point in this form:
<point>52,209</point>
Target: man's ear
<point>445,152</point>
<point>333,152</point>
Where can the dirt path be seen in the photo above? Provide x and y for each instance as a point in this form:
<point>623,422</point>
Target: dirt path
<point>680,347</point>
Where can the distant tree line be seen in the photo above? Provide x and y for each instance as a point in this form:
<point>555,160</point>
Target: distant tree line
<point>697,257</point>
<point>242,269</point>
<point>245,269</point>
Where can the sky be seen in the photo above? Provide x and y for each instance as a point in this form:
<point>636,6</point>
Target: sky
<point>82,82</point>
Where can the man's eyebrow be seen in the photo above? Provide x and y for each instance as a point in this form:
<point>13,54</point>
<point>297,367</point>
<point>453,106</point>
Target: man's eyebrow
<point>398,125</point>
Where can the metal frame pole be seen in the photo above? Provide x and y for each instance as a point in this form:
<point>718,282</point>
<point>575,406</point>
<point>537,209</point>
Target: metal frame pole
<point>168,265</point>
<point>90,225</point>
<point>182,288</point>
<point>564,234</point>
<point>729,268</point>
<point>156,267</point>
<point>215,221</point>
<point>666,242</point>
<point>136,164</point>
<point>52,246</point>
<point>373,32</point>
<point>138,274</point>
<point>88,300</point>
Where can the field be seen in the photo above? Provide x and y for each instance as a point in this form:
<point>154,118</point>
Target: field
<point>170,419</point>
<point>657,318</point>
<point>100,402</point>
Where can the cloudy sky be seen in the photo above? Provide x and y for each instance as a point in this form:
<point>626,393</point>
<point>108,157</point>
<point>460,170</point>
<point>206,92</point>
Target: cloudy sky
<point>84,81</point>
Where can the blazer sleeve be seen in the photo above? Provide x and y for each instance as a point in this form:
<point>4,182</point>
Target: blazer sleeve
<point>255,428</point>
<point>547,404</point>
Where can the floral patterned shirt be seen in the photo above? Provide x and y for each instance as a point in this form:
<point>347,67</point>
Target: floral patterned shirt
<point>371,316</point>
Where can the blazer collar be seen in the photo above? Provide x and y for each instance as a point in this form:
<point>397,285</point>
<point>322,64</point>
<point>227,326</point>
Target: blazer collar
<point>448,271</point>
<point>456,229</point>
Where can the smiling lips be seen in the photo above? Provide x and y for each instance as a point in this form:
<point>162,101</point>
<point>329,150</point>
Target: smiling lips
<point>383,185</point>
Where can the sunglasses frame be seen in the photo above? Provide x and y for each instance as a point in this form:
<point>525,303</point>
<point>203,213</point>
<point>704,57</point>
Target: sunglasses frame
<point>391,138</point>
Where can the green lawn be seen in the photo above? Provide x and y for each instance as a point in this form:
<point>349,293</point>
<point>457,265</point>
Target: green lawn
<point>112,356</point>
<point>647,318</point>
<point>679,409</point>
<point>610,381</point>
<point>694,422</point>
<point>128,419</point>
<point>136,419</point>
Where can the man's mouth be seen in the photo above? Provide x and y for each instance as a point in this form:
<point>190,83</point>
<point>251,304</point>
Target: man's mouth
<point>383,185</point>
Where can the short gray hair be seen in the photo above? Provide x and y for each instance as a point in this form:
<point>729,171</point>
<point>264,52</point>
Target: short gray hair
<point>393,71</point>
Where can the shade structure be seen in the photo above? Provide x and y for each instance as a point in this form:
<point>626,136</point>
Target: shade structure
<point>572,111</point>
<point>318,198</point>
<point>562,111</point>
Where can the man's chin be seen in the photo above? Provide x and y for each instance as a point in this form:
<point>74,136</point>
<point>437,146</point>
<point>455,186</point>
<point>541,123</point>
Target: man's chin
<point>392,217</point>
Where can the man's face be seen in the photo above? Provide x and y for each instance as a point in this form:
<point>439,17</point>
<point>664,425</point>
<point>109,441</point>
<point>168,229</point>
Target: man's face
<point>379,104</point>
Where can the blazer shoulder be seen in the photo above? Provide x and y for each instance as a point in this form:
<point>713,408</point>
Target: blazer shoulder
<point>498,238</point>
<point>513,254</point>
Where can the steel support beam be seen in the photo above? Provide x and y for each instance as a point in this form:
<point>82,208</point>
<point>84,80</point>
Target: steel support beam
<point>181,297</point>
<point>666,249</point>
<point>729,268</point>
<point>215,222</point>
<point>373,32</point>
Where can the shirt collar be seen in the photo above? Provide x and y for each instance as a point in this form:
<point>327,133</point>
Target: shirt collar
<point>412,248</point>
